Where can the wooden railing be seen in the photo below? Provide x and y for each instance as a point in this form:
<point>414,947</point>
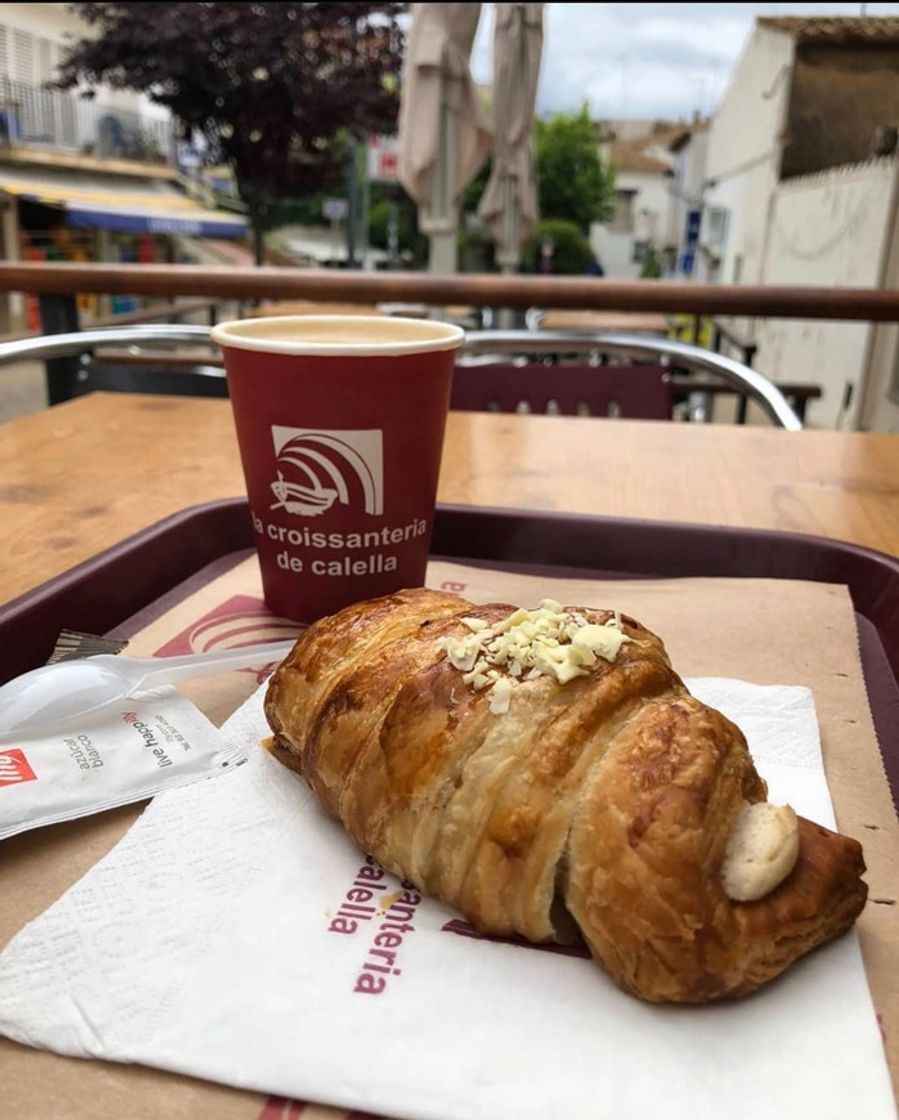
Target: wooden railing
<point>869,304</point>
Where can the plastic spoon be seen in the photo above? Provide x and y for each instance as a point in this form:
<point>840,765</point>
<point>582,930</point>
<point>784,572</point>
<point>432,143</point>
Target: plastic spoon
<point>49,698</point>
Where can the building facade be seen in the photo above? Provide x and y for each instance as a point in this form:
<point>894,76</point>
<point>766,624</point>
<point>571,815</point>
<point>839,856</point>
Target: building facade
<point>81,179</point>
<point>638,238</point>
<point>688,150</point>
<point>800,188</point>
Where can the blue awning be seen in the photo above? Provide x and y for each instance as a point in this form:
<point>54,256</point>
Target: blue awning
<point>144,207</point>
<point>120,221</point>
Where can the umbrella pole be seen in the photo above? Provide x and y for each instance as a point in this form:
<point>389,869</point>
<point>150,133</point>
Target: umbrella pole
<point>441,222</point>
<point>509,256</point>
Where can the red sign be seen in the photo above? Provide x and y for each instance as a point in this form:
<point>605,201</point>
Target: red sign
<point>388,165</point>
<point>383,159</point>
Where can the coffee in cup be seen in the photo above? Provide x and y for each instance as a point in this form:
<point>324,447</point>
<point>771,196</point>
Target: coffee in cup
<point>340,423</point>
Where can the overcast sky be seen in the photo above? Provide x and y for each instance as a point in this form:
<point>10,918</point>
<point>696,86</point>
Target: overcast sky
<point>645,60</point>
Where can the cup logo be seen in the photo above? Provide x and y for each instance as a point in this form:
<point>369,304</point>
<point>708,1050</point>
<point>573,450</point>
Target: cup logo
<point>318,468</point>
<point>14,768</point>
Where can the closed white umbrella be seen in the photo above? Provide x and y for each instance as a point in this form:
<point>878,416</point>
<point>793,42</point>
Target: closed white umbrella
<point>444,139</point>
<point>509,204</point>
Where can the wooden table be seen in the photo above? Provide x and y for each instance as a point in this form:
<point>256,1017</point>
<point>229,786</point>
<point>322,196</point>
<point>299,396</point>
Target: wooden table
<point>79,477</point>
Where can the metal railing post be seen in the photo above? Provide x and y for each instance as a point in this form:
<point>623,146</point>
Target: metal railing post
<point>59,315</point>
<point>749,349</point>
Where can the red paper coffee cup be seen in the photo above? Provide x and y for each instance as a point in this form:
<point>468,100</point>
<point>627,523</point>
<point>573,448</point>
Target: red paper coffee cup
<point>340,422</point>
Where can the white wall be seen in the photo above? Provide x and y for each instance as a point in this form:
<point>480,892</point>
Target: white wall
<point>827,230</point>
<point>615,250</point>
<point>695,164</point>
<point>746,124</point>
<point>744,147</point>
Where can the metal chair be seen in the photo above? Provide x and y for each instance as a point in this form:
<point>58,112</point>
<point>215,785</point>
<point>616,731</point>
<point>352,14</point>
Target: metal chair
<point>481,350</point>
<point>484,349</point>
<point>72,370</point>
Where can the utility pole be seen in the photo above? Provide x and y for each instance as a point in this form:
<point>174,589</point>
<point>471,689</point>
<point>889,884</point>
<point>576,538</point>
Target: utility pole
<point>352,204</point>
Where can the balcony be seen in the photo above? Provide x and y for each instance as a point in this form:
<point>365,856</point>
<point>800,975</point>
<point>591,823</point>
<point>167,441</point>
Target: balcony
<point>35,120</point>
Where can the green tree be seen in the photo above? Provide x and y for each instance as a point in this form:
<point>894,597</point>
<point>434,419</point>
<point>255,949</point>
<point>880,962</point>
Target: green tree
<point>573,182</point>
<point>409,240</point>
<point>571,251</point>
<point>652,265</point>
<point>275,90</point>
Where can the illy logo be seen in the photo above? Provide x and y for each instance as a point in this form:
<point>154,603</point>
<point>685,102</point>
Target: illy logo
<point>318,468</point>
<point>15,768</point>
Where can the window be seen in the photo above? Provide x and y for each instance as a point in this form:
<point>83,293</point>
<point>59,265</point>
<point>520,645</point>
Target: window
<point>623,220</point>
<point>641,248</point>
<point>27,65</point>
<point>23,64</point>
<point>44,71</point>
<point>715,223</point>
<point>24,58</point>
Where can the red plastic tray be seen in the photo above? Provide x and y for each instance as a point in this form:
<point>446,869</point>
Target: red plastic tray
<point>101,593</point>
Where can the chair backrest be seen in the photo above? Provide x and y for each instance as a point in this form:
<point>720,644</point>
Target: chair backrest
<point>481,345</point>
<point>634,392</point>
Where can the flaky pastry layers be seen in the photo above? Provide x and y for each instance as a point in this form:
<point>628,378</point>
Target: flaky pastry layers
<point>600,807</point>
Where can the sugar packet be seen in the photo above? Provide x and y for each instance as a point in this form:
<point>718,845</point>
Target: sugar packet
<point>153,741</point>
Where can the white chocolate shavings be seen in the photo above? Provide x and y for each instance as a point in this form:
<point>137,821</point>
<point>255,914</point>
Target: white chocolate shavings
<point>546,642</point>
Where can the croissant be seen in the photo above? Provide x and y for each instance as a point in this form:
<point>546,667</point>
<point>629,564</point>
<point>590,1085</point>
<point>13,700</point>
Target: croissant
<point>548,774</point>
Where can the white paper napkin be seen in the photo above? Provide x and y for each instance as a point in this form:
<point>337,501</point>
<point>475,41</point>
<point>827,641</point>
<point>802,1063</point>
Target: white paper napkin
<point>201,944</point>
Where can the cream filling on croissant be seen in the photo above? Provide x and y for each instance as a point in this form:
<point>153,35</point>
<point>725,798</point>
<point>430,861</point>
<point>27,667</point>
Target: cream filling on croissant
<point>761,852</point>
